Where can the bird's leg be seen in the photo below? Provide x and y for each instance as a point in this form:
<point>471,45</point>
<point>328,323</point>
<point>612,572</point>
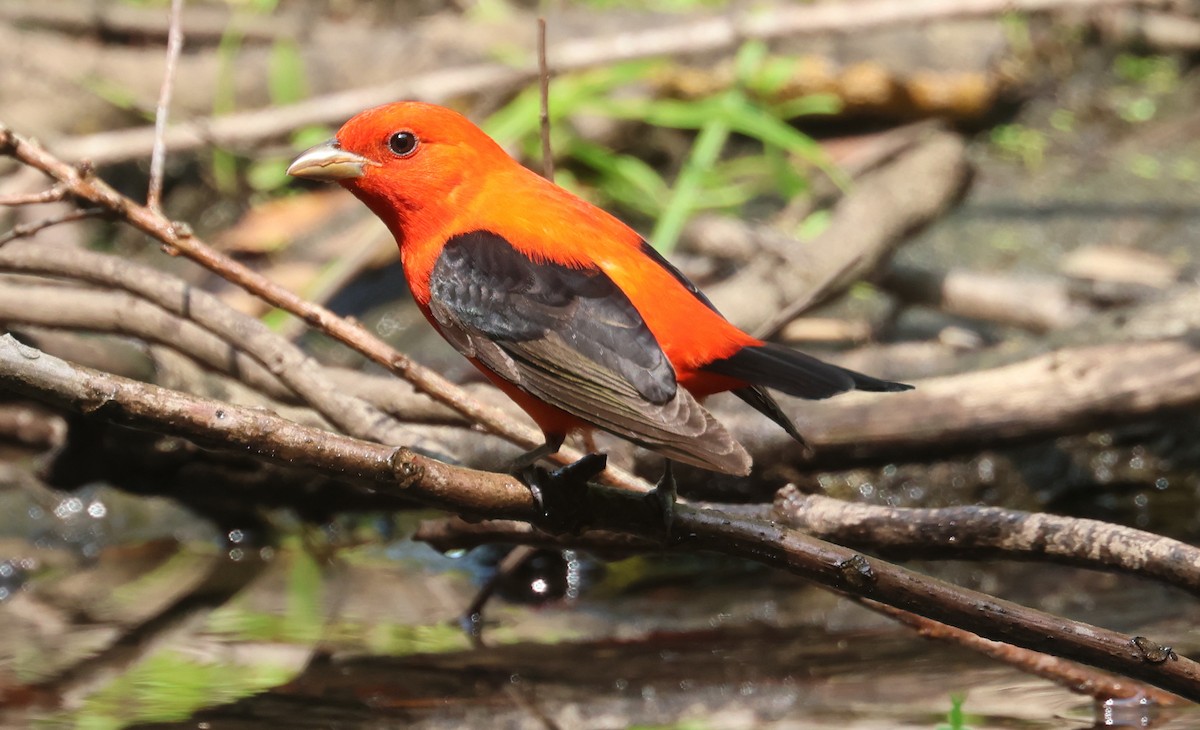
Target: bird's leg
<point>560,494</point>
<point>553,443</point>
<point>663,495</point>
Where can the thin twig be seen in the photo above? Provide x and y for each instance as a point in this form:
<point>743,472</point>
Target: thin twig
<point>52,194</point>
<point>544,113</point>
<point>25,230</point>
<point>1077,678</point>
<point>158,156</point>
<point>472,617</point>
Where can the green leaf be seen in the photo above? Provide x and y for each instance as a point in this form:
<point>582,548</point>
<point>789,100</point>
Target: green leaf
<point>684,199</point>
<point>224,171</point>
<point>807,105</point>
<point>624,178</point>
<point>748,61</point>
<point>814,224</point>
<point>671,113</point>
<point>268,175</point>
<point>773,76</point>
<point>286,80</point>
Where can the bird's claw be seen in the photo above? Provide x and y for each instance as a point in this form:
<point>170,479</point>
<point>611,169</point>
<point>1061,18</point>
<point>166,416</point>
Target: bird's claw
<point>561,494</point>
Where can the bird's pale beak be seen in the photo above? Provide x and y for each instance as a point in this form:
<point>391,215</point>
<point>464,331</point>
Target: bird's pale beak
<point>328,162</point>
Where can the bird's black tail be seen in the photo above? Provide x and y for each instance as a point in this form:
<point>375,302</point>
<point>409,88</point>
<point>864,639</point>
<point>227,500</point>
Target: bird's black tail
<point>794,373</point>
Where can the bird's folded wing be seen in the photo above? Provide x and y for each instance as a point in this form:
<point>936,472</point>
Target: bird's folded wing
<point>571,337</point>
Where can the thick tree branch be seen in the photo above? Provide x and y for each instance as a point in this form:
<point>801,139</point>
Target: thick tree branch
<point>992,533</point>
<point>403,472</point>
<point>1072,390</point>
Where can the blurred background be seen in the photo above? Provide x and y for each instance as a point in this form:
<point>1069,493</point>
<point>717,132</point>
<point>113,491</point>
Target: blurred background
<point>909,189</point>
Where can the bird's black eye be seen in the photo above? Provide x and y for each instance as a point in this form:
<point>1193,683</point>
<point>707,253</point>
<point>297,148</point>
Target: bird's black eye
<point>402,144</point>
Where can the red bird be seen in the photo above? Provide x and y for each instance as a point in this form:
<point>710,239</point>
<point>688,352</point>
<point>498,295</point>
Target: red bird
<point>565,308</point>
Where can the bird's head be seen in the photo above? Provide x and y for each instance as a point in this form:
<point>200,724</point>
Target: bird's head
<point>411,163</point>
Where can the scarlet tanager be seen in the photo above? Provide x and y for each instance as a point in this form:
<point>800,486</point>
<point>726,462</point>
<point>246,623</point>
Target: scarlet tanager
<point>565,308</point>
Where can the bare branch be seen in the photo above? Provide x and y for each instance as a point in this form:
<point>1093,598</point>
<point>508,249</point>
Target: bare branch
<point>158,156</point>
<point>1097,685</point>
<point>25,230</point>
<point>544,105</point>
<point>52,194</point>
<point>992,532</point>
<point>1071,390</point>
<point>1037,303</point>
<point>284,360</point>
<point>865,227</point>
<point>32,426</point>
<point>402,472</point>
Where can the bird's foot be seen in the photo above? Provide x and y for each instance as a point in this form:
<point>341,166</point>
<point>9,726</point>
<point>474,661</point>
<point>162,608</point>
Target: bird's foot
<point>662,497</point>
<point>561,494</point>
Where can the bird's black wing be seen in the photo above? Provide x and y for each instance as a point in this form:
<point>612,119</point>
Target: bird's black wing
<point>571,337</point>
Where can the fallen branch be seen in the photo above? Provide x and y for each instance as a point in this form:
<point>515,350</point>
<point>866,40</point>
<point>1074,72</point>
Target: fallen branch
<point>992,533</point>
<point>464,491</point>
<point>1036,303</point>
<point>866,226</point>
<point>1081,680</point>
<point>1072,390</point>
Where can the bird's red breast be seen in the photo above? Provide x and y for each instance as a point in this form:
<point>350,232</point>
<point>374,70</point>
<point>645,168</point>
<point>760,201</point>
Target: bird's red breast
<point>562,305</point>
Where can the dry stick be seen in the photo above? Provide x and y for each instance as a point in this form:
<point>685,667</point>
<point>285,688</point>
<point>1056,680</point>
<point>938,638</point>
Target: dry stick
<point>58,307</point>
<point>1071,390</point>
<point>1036,303</point>
<point>400,471</point>
<point>544,105</point>
<point>706,35</point>
<point>24,230</point>
<point>991,533</point>
<point>179,239</point>
<point>122,313</point>
<point>31,426</point>
<point>52,194</point>
<point>940,534</point>
<point>956,533</point>
<point>865,227</point>
<point>207,23</point>
<point>158,156</point>
<point>47,309</point>
<point>1083,680</point>
<point>284,360</point>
